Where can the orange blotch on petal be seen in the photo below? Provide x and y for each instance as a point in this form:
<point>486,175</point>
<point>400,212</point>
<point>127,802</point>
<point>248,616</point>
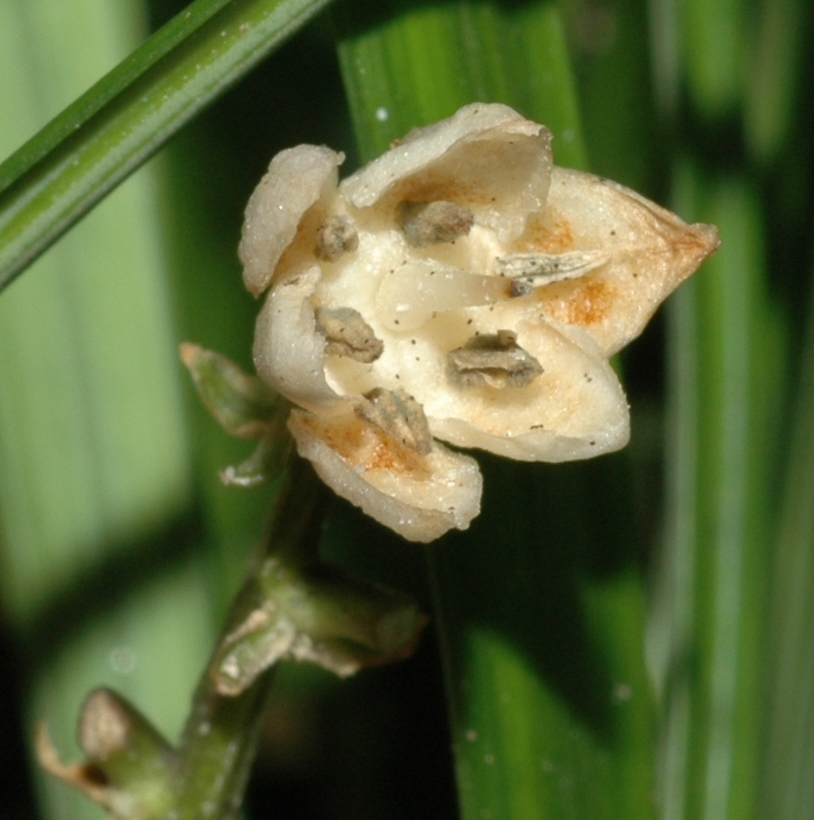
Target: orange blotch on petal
<point>550,235</point>
<point>585,302</point>
<point>361,444</point>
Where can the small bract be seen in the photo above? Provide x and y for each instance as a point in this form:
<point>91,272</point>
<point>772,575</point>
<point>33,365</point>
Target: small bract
<point>459,288</point>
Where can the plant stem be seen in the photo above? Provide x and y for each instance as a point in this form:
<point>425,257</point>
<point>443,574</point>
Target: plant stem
<point>218,748</point>
<point>220,737</point>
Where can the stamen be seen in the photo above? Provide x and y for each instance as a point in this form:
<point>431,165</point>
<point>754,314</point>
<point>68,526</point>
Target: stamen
<point>400,416</point>
<point>538,269</point>
<point>431,223</point>
<point>492,359</point>
<point>335,236</point>
<point>348,334</point>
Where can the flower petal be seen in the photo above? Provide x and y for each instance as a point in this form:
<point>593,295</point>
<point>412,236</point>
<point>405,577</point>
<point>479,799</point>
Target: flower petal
<point>651,251</point>
<point>289,351</point>
<point>485,157</point>
<point>296,179</point>
<point>574,409</point>
<point>419,497</point>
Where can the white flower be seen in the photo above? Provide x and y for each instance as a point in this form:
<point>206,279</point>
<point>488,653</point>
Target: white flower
<point>460,287</point>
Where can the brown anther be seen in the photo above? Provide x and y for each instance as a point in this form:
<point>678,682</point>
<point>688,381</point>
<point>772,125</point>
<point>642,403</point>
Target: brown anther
<point>399,415</point>
<point>348,334</point>
<point>492,359</point>
<point>432,223</point>
<point>335,236</point>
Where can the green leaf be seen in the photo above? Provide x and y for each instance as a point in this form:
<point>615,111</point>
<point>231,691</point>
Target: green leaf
<point>715,53</point>
<point>107,89</point>
<point>540,616</point>
<point>727,368</point>
<point>455,53</point>
<point>62,172</point>
<point>788,771</point>
<point>610,45</point>
<point>774,78</point>
<point>100,580</point>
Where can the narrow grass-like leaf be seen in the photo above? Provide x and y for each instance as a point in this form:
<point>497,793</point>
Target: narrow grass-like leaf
<point>774,78</point>
<point>456,53</point>
<point>727,375</point>
<point>788,772</point>
<point>715,51</point>
<point>539,608</point>
<point>615,90</point>
<point>112,84</point>
<point>96,577</point>
<point>146,101</point>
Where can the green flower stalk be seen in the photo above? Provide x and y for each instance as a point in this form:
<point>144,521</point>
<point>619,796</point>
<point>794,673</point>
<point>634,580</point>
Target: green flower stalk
<point>291,606</point>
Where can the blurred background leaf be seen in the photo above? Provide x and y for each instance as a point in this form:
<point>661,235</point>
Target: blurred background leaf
<point>95,480</point>
<point>83,153</point>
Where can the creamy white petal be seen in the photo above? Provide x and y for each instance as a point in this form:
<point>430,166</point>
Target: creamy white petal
<point>485,157</point>
<point>651,251</point>
<point>419,497</point>
<point>576,408</point>
<point>289,352</point>
<point>537,445</point>
<point>296,179</point>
